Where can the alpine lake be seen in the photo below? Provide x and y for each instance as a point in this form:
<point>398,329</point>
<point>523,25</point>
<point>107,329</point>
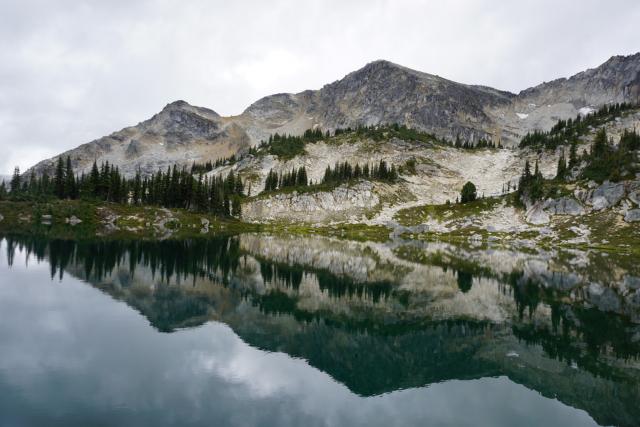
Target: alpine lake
<point>279,330</point>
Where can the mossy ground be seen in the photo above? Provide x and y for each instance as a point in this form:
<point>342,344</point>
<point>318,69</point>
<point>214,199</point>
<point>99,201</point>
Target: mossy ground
<point>138,222</point>
<point>607,229</point>
<point>131,221</point>
<point>421,214</point>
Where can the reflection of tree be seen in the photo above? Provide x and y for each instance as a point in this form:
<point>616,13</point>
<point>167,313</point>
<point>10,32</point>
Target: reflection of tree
<point>178,259</point>
<point>465,280</point>
<point>526,293</point>
<point>574,335</point>
<point>584,336</point>
<point>370,352</point>
<point>337,286</point>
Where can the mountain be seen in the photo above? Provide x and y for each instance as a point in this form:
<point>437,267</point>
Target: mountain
<point>180,133</point>
<point>380,92</point>
<point>540,107</point>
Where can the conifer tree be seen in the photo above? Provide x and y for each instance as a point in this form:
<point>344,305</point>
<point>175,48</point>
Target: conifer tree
<point>15,182</point>
<point>573,154</point>
<point>562,166</point>
<point>58,180</point>
<point>468,193</point>
<point>236,207</point>
<point>69,180</point>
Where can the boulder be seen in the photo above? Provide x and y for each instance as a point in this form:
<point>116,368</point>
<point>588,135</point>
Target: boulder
<point>603,298</point>
<point>632,282</point>
<point>73,220</point>
<point>634,196</point>
<point>607,195</point>
<point>536,215</point>
<point>205,225</point>
<point>632,215</point>
<point>563,206</point>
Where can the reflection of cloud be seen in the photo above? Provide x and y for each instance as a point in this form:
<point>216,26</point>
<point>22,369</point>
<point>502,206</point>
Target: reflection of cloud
<point>70,352</point>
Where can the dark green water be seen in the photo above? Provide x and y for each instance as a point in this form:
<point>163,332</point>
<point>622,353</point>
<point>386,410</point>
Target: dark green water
<point>282,331</point>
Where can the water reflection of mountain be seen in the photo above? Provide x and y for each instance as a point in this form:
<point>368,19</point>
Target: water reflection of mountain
<point>378,322</point>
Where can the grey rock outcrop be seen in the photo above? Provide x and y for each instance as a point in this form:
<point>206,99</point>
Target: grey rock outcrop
<point>540,212</point>
<point>605,298</point>
<point>563,206</point>
<point>338,204</point>
<point>536,214</point>
<point>631,282</point>
<point>607,195</point>
<point>632,215</point>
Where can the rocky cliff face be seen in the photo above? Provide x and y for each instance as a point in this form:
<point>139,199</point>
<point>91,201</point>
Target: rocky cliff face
<point>540,107</point>
<point>380,92</point>
<point>180,134</point>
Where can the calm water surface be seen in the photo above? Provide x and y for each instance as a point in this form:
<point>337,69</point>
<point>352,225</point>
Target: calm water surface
<point>283,331</point>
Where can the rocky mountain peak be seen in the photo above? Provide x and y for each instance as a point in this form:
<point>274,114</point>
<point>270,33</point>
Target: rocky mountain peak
<point>382,71</point>
<point>381,92</point>
<point>379,66</point>
<point>179,104</point>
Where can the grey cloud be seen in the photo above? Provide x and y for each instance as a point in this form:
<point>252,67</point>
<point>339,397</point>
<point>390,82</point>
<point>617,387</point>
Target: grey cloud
<point>74,71</point>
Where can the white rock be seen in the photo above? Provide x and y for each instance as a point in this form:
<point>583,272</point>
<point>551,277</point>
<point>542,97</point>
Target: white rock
<point>536,215</point>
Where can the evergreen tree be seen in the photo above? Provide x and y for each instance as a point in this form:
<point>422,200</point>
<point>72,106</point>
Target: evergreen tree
<point>137,189</point>
<point>562,166</point>
<point>236,207</point>
<point>33,184</point>
<point>94,181</point>
<point>239,186</point>
<point>15,182</point>
<point>226,205</point>
<point>468,193</point>
<point>45,184</point>
<point>573,154</point>
<point>599,149</point>
<point>58,181</point>
<point>69,180</point>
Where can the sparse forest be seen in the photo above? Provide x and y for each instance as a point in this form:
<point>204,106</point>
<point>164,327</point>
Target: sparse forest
<point>173,188</point>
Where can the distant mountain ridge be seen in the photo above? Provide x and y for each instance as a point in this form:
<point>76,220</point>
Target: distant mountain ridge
<point>380,92</point>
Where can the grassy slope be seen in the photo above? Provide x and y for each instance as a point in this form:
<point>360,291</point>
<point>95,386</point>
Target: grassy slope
<point>608,230</point>
<point>137,222</point>
<point>420,214</point>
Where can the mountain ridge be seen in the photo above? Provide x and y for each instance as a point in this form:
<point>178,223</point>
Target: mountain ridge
<point>380,92</point>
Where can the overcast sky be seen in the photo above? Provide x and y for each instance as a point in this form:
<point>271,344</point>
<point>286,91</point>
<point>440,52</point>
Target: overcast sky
<point>72,71</point>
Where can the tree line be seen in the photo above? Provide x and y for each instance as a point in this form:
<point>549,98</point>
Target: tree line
<point>340,173</point>
<point>197,168</point>
<point>345,171</point>
<point>294,178</point>
<point>568,131</point>
<point>289,146</point>
<point>173,188</point>
<point>603,161</point>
